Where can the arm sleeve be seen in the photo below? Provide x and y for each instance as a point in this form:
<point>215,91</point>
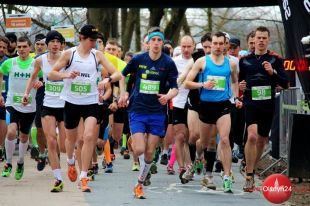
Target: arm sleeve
<point>6,67</point>
<point>172,75</point>
<point>130,68</point>
<point>241,71</point>
<point>281,77</point>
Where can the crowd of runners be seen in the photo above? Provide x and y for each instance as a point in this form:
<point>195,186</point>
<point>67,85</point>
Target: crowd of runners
<point>204,105</point>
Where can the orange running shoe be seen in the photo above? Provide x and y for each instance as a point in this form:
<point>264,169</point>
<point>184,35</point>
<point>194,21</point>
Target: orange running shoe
<point>84,184</point>
<point>72,173</point>
<point>138,192</point>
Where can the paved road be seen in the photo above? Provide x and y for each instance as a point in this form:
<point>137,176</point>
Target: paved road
<point>116,189</point>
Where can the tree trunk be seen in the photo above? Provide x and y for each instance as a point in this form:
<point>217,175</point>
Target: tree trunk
<point>124,15</point>
<point>156,14</point>
<point>186,28</point>
<point>172,31</point>
<point>209,12</point>
<point>138,32</point>
<point>130,25</point>
<point>102,19</point>
<point>114,28</point>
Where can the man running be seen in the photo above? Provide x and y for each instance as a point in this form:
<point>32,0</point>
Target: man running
<point>147,103</point>
<point>81,94</point>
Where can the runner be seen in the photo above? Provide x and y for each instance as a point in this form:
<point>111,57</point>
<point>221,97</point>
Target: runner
<point>147,104</point>
<point>260,73</point>
<point>217,73</point>
<point>52,110</point>
<point>18,69</point>
<point>81,94</point>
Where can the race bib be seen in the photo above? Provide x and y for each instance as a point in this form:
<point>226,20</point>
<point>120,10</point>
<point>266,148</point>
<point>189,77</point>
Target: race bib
<point>220,82</point>
<point>53,88</point>
<point>18,99</point>
<point>149,86</point>
<point>261,93</point>
<point>81,88</point>
<point>3,89</point>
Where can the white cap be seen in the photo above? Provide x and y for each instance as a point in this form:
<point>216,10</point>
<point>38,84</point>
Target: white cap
<point>226,35</point>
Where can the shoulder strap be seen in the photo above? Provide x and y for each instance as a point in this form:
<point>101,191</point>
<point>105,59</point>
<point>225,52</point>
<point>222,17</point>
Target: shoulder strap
<point>71,59</point>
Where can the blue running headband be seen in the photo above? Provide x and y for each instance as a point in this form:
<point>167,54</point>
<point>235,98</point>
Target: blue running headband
<point>157,33</point>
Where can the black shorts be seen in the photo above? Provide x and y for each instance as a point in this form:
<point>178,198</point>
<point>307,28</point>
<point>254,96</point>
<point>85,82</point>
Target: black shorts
<point>193,100</point>
<point>179,116</point>
<point>119,116</point>
<point>23,120</point>
<point>39,105</point>
<point>126,129</point>
<point>210,112</point>
<point>73,113</point>
<point>263,119</point>
<point>2,113</point>
<point>58,113</point>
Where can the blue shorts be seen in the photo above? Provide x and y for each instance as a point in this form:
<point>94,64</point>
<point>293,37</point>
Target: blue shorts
<point>147,123</point>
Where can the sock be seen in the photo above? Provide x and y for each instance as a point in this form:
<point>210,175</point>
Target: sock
<point>107,152</point>
<point>173,157</point>
<point>22,151</point>
<point>226,177</point>
<point>112,142</point>
<point>57,174</point>
<point>83,174</point>
<point>192,151</point>
<point>124,141</point>
<point>71,161</point>
<point>144,170</point>
<point>9,149</point>
<point>141,160</point>
<point>210,158</point>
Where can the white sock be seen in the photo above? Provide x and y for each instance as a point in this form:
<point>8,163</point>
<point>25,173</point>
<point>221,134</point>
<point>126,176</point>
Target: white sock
<point>9,149</point>
<point>144,170</point>
<point>226,177</point>
<point>57,174</point>
<point>71,161</point>
<point>22,151</point>
<point>83,174</point>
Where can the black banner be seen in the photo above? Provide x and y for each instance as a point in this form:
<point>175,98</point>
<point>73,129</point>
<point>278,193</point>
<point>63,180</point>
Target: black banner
<point>296,20</point>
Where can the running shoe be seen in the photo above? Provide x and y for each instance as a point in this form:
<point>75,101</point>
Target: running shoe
<point>218,166</point>
<point>138,192</point>
<point>113,157</point>
<point>198,166</point>
<point>147,180</point>
<point>249,184</point>
<point>135,166</point>
<point>58,186</point>
<point>240,153</point>
<point>153,168</point>
<point>208,182</point>
<point>126,155</point>
<point>157,153</point>
<point>41,163</point>
<point>34,153</point>
<point>189,174</point>
<point>234,158</point>
<point>90,174</point>
<point>227,184</point>
<point>122,150</point>
<point>183,180</point>
<point>72,173</point>
<point>84,184</point>
<point>109,168</point>
<point>2,152</point>
<point>19,171</point>
<point>95,168</point>
<point>164,159</point>
<point>170,170</point>
<point>6,172</point>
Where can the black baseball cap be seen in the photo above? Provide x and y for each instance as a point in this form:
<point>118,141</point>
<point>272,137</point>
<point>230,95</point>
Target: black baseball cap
<point>234,42</point>
<point>89,31</point>
<point>51,35</point>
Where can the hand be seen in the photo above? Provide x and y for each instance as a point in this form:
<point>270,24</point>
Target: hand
<point>101,84</point>
<point>268,67</point>
<point>242,85</point>
<point>113,107</point>
<point>1,101</point>
<point>238,104</point>
<point>71,75</point>
<point>37,84</point>
<point>25,99</point>
<point>163,99</point>
<point>123,100</point>
<point>209,84</point>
